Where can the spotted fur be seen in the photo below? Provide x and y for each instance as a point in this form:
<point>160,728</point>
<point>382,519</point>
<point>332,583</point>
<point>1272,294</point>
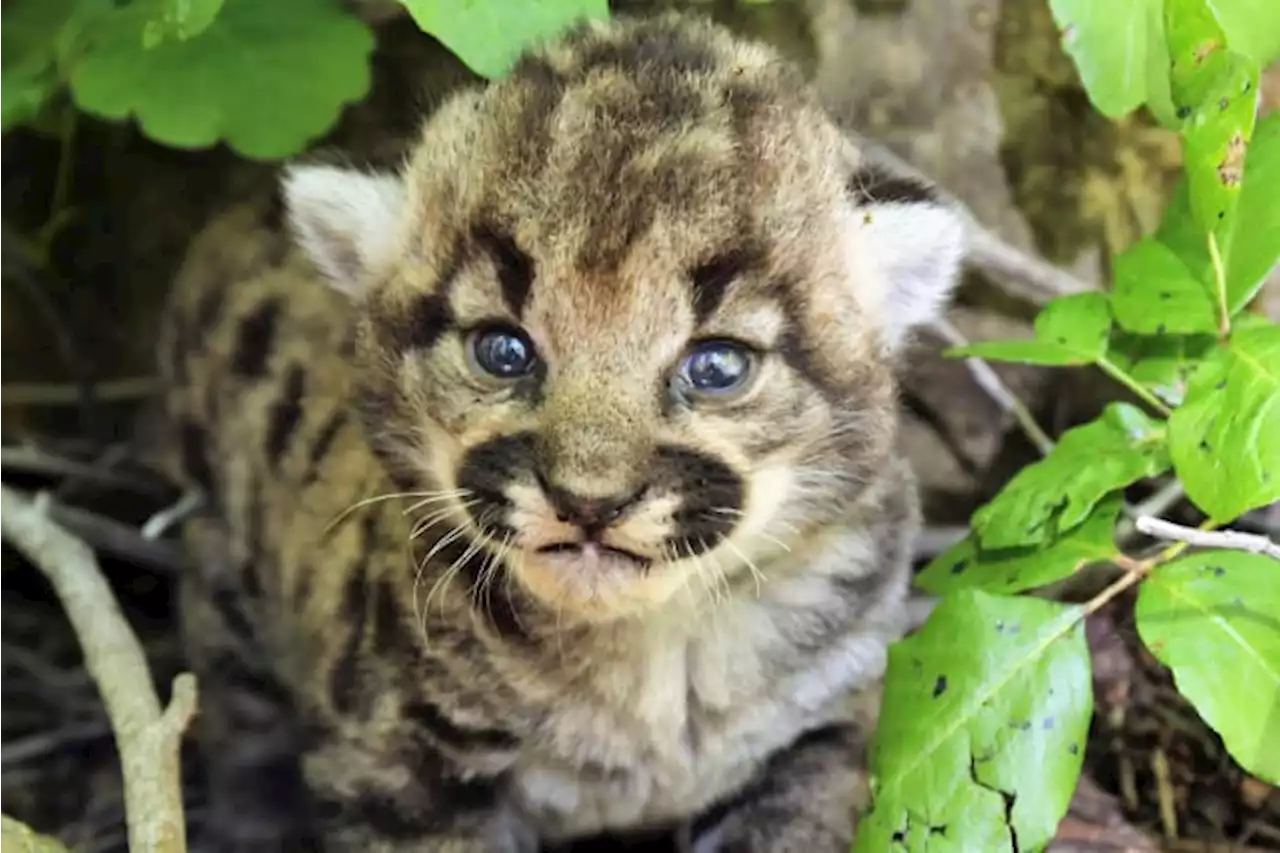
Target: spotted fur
<point>603,603</point>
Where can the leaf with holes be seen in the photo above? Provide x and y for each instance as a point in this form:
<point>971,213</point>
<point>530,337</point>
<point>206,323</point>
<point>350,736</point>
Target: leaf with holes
<point>1058,492</point>
<point>980,742</point>
<point>266,77</point>
<point>1215,93</point>
<point>1070,330</point>
<point>1224,440</point>
<point>967,565</point>
<point>490,36</point>
<point>1163,364</point>
<point>1214,619</point>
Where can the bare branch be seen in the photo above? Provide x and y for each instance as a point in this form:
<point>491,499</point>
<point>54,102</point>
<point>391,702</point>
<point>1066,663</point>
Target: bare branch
<point>147,738</point>
<point>1232,540</point>
<point>38,394</point>
<point>991,384</point>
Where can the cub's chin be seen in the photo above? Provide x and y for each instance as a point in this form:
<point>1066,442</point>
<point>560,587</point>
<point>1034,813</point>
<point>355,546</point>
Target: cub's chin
<point>597,582</point>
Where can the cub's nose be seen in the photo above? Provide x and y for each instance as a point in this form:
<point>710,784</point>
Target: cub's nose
<point>592,514</point>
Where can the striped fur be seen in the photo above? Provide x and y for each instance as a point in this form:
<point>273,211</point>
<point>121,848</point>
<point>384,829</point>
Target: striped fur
<point>482,685</point>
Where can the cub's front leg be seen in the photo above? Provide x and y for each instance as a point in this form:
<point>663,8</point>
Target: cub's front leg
<point>805,800</point>
<point>408,799</point>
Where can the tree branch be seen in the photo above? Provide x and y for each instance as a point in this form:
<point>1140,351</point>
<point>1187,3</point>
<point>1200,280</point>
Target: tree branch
<point>147,738</point>
<point>1232,540</point>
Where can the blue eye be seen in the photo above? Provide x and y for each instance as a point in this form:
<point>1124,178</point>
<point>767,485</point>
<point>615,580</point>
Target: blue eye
<point>503,352</point>
<point>714,368</point>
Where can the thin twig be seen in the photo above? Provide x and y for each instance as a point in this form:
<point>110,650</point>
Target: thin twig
<point>991,383</point>
<point>119,540</point>
<point>40,745</point>
<point>40,394</point>
<point>147,738</point>
<point>1020,273</point>
<point>1232,540</point>
<point>1157,504</point>
<point>32,460</point>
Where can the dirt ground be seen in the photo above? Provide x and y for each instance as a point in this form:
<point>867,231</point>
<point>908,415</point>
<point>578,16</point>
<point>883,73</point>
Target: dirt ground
<point>976,93</point>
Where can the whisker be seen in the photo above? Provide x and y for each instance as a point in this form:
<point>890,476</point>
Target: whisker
<point>372,500</point>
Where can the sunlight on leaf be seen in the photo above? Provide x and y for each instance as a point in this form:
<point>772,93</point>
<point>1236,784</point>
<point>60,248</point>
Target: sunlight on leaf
<point>1111,45</point>
<point>1058,492</point>
<point>1214,619</point>
<point>967,565</point>
<point>1225,438</point>
<point>179,19</point>
<point>490,36</point>
<point>975,733</point>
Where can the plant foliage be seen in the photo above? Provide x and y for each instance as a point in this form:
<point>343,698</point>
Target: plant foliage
<point>964,694</point>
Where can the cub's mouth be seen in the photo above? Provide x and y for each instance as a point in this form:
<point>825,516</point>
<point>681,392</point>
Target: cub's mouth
<point>593,553</point>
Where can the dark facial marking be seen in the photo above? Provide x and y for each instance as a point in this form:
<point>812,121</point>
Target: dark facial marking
<point>489,467</point>
<point>711,280</point>
<point>254,339</point>
<point>323,441</point>
<point>515,268</point>
<point>285,414</point>
<point>873,184</point>
<point>426,321</point>
<point>708,488</point>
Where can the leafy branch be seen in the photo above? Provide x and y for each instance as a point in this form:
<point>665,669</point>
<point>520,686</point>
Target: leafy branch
<point>980,742</point>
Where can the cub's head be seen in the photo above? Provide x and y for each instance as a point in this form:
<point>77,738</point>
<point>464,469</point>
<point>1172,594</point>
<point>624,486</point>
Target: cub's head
<point>632,310</point>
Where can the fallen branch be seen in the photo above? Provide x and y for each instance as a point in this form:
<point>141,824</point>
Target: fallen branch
<point>111,390</point>
<point>122,541</point>
<point>1232,540</point>
<point>147,738</point>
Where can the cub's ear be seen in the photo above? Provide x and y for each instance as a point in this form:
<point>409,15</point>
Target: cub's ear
<point>345,219</point>
<point>916,242</point>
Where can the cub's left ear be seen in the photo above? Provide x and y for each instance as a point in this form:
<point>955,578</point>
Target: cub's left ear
<point>916,242</point>
<point>346,220</point>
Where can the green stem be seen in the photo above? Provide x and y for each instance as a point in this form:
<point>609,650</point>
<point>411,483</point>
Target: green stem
<point>1109,368</point>
<point>1219,287</point>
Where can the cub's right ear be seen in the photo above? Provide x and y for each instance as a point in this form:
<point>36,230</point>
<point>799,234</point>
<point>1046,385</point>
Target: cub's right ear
<point>344,219</point>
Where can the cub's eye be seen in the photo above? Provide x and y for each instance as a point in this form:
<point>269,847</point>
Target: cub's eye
<point>502,351</point>
<point>716,368</point>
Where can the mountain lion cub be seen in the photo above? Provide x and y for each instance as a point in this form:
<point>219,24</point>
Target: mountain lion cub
<point>551,482</point>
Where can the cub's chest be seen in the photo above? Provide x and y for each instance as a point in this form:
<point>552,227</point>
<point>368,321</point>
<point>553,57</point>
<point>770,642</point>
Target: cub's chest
<point>679,720</point>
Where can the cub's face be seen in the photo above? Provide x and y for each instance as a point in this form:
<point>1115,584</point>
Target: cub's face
<point>630,312</point>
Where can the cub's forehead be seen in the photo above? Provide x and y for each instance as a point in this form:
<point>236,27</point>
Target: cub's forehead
<point>664,135</point>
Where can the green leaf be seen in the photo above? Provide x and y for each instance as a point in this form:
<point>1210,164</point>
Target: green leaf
<point>1058,492</point>
<point>1162,284</point>
<point>1224,440</point>
<point>1255,243</point>
<point>178,19</point>
<point>490,36</point>
<point>1070,330</point>
<point>1212,619</point>
<point>1215,92</point>
<point>29,57</point>
<point>978,734</point>
<point>1109,44</point>
<point>1163,364</point>
<point>967,565</point>
<point>266,77</point>
<point>17,837</point>
<point>1252,27</point>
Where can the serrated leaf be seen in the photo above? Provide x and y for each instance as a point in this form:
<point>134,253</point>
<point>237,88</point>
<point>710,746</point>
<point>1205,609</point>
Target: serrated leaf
<point>265,77</point>
<point>1215,91</point>
<point>967,565</point>
<point>178,19</point>
<point>1058,492</point>
<point>29,57</point>
<point>1070,330</point>
<point>970,729</point>
<point>1211,618</point>
<point>1163,364</point>
<point>490,36</point>
<point>1224,440</point>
